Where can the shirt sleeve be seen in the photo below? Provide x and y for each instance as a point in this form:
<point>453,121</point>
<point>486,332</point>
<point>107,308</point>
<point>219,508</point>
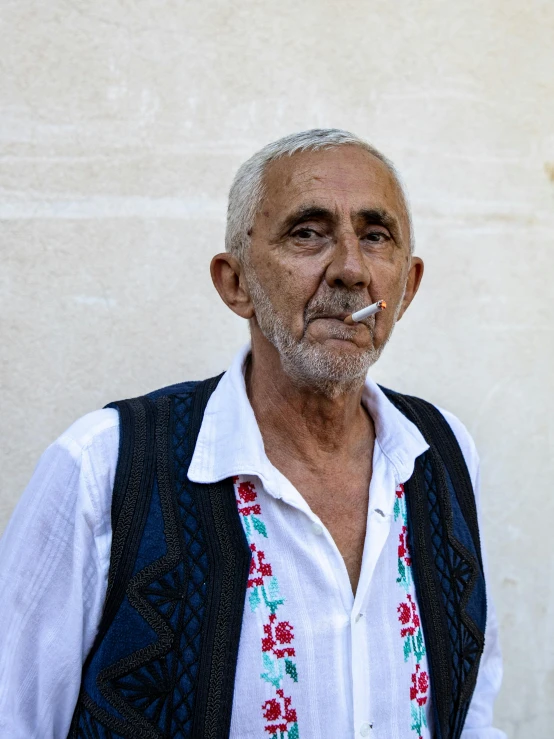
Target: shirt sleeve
<point>479,720</point>
<point>54,559</point>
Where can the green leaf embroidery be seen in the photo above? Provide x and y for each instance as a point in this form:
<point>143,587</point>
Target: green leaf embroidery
<point>293,732</point>
<point>290,669</point>
<point>419,645</point>
<point>254,598</point>
<point>274,670</point>
<point>273,588</point>
<point>273,601</point>
<point>259,526</point>
<point>418,718</point>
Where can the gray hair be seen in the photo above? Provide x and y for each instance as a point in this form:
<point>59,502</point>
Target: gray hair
<point>247,190</point>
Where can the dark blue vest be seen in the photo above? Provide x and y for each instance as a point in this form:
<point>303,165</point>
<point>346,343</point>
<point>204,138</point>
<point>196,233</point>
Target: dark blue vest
<point>163,662</point>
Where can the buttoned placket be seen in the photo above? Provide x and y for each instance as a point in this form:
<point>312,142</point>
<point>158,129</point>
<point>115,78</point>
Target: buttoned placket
<point>381,501</point>
<point>379,518</point>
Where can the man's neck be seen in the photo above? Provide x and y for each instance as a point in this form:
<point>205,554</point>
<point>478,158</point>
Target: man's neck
<point>308,425</point>
<point>322,445</point>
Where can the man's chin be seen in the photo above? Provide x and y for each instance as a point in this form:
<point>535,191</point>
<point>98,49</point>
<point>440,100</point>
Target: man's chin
<point>328,368</point>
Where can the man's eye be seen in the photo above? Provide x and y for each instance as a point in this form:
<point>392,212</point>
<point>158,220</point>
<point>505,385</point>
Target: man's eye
<point>377,236</point>
<point>304,233</point>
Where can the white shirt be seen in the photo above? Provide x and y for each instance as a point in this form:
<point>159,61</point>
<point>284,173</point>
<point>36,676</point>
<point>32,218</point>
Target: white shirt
<point>314,660</point>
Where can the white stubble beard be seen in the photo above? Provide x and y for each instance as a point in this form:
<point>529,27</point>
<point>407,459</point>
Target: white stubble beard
<point>311,364</point>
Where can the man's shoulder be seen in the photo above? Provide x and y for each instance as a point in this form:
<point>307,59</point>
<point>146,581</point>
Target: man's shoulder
<point>460,430</point>
<point>97,427</point>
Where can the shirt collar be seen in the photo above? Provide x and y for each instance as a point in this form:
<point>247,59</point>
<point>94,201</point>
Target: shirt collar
<point>229,442</point>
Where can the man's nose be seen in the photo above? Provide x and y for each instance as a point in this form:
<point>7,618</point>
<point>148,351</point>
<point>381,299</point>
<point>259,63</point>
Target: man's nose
<point>348,267</point>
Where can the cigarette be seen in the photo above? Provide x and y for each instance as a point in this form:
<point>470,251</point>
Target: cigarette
<point>365,312</point>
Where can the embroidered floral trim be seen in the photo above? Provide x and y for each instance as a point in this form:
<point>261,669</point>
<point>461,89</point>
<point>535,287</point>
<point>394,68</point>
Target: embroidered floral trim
<point>410,631</point>
<point>263,592</point>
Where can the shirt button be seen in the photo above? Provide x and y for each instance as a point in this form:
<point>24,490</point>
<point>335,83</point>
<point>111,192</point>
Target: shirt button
<point>317,529</point>
<point>358,617</point>
<point>365,729</point>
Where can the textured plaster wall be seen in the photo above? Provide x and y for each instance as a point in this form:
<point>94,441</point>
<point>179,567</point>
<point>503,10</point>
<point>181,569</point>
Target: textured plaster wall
<point>121,126</point>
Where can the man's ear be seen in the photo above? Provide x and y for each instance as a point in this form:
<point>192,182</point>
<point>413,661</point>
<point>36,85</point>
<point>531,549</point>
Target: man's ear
<point>228,278</point>
<point>415,273</point>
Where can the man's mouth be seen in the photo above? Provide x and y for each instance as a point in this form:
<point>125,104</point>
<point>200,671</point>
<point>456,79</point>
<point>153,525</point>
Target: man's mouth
<point>328,316</point>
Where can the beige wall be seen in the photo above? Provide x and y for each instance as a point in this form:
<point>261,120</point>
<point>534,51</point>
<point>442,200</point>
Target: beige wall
<point>121,126</point>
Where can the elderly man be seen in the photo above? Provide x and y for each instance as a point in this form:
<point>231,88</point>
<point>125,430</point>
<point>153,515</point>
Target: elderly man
<point>285,551</point>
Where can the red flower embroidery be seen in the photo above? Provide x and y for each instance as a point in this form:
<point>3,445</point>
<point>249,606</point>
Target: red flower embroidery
<point>271,710</point>
<point>408,617</point>
<point>410,622</point>
<point>260,567</point>
<point>404,613</point>
<point>283,632</point>
<point>419,687</point>
<point>248,510</point>
<point>247,492</point>
<point>274,709</point>
<point>277,634</point>
<point>423,683</point>
<point>403,552</point>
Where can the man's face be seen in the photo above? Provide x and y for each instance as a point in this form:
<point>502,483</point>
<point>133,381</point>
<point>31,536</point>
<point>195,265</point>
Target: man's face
<point>331,237</point>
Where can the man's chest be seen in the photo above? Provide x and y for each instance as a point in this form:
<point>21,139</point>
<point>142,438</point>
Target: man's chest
<point>343,512</point>
<point>340,500</point>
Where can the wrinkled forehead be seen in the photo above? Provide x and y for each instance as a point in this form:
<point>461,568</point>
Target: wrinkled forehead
<point>342,179</point>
